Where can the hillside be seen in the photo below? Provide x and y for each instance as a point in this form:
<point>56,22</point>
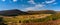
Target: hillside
<point>38,19</point>
<point>43,17</point>
<point>42,12</point>
<point>16,12</point>
<point>13,12</point>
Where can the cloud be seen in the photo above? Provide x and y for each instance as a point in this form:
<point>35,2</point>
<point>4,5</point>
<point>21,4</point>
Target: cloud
<point>3,0</point>
<point>39,6</point>
<point>52,1</point>
<point>47,2</point>
<point>31,2</point>
<point>14,0</point>
<point>36,7</point>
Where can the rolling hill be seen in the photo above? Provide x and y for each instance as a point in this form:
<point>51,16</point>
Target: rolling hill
<point>15,12</point>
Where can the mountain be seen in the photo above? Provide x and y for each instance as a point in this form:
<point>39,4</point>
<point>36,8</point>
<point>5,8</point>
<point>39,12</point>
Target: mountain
<point>13,12</point>
<point>58,11</point>
<point>42,12</point>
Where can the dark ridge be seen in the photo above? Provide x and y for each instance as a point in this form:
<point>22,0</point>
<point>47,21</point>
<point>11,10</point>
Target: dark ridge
<point>14,12</point>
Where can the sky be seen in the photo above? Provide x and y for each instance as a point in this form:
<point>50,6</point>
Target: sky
<point>26,5</point>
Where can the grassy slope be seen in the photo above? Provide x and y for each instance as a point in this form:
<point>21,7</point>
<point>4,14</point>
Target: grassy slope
<point>24,18</point>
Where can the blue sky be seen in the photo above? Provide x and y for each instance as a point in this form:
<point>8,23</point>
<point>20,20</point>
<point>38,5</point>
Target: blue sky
<point>26,5</point>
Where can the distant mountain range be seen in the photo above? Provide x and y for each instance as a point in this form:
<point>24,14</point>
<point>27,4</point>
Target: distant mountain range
<point>42,12</point>
<point>16,12</point>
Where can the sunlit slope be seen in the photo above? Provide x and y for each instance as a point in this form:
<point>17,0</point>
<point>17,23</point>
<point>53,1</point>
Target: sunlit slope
<point>24,17</point>
<point>36,16</point>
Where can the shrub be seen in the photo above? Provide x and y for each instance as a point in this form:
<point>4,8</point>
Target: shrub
<point>26,21</point>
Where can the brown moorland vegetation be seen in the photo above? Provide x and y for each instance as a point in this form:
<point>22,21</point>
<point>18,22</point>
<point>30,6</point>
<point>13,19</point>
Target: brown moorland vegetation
<point>48,18</point>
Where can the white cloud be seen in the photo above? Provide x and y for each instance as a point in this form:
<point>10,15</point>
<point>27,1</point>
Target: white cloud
<point>31,2</point>
<point>3,0</point>
<point>37,6</point>
<point>52,1</point>
<point>14,0</point>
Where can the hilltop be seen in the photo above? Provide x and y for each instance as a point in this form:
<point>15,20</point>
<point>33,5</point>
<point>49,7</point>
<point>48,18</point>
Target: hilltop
<point>16,12</point>
<point>13,12</point>
<point>42,12</point>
